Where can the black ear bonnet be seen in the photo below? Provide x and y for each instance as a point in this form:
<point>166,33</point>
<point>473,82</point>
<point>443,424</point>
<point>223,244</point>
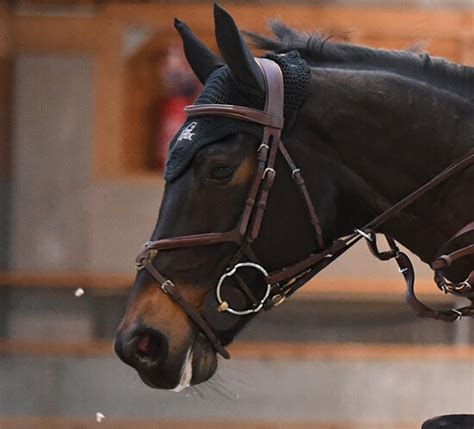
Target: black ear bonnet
<point>222,88</point>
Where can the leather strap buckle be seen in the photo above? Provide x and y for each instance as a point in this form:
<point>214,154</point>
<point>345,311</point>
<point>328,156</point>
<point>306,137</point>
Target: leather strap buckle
<point>167,287</point>
<point>269,171</point>
<point>148,256</point>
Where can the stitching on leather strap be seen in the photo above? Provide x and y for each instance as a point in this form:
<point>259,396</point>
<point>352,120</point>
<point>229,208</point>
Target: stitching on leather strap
<point>237,112</point>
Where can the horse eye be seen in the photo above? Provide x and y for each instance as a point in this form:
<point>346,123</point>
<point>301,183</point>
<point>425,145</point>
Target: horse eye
<point>221,172</point>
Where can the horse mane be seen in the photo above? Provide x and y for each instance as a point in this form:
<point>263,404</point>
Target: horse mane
<point>323,51</point>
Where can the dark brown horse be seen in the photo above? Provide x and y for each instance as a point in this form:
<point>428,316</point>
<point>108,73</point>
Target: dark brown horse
<point>366,128</point>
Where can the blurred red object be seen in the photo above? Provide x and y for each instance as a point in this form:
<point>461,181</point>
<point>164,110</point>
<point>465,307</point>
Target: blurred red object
<point>179,87</point>
<point>171,118</point>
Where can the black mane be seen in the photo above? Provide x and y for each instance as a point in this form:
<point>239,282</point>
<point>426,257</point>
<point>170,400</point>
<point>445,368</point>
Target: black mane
<point>321,51</point>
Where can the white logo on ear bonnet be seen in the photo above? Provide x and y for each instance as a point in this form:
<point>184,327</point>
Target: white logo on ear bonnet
<point>187,133</point>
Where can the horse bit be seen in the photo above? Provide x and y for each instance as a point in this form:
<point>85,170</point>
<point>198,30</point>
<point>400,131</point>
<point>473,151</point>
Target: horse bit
<point>282,283</point>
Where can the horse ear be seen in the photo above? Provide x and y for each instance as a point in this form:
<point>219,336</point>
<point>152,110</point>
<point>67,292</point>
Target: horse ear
<point>235,51</point>
<point>201,59</point>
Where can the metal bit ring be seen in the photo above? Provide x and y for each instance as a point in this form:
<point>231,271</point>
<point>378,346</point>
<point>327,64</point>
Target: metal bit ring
<point>225,306</point>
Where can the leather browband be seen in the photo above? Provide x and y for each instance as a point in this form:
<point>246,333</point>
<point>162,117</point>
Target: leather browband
<point>237,112</point>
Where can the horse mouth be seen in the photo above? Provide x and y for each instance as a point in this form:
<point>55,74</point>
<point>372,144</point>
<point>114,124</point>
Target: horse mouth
<point>204,361</point>
<point>198,366</point>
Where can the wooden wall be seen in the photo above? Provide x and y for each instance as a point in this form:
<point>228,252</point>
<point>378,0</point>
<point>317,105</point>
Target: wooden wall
<point>5,89</point>
<point>122,98</point>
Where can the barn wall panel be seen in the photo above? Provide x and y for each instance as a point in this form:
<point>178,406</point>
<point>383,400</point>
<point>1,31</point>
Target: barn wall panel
<point>320,390</point>
<point>52,162</point>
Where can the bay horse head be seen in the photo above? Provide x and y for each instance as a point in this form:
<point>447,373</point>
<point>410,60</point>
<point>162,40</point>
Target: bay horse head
<point>238,230</point>
<point>214,185</point>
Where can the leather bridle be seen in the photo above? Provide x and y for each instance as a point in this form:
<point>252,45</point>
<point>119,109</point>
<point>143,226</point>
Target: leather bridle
<point>283,282</point>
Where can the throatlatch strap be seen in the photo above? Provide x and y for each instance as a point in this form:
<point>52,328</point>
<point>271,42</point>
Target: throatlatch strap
<point>300,183</point>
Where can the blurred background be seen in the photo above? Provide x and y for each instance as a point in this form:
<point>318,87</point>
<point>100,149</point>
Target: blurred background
<point>90,94</point>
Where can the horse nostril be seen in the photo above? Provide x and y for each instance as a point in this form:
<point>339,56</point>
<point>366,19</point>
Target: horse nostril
<point>150,347</point>
<point>142,348</point>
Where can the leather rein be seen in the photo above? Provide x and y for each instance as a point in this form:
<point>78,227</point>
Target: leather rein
<point>282,283</point>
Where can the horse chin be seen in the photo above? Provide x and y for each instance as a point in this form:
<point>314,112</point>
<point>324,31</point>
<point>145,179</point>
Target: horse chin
<point>157,381</point>
<point>204,360</point>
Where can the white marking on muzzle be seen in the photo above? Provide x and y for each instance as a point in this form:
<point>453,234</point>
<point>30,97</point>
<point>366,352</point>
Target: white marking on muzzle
<point>186,372</point>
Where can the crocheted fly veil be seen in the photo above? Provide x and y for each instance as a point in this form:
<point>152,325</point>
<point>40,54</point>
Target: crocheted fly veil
<point>222,88</point>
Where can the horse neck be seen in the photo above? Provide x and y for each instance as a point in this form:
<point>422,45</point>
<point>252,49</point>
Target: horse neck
<point>390,135</point>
